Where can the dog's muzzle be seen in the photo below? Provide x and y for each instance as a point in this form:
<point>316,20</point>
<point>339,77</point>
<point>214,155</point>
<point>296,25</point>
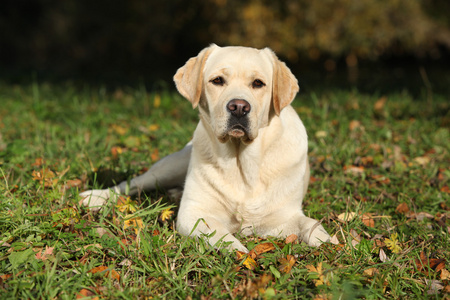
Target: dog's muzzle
<point>238,122</point>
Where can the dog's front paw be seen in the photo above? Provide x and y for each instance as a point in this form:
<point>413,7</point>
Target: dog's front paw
<point>95,199</point>
<point>318,235</point>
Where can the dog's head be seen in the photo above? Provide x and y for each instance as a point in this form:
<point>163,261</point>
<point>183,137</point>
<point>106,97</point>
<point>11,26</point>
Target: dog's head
<point>237,89</point>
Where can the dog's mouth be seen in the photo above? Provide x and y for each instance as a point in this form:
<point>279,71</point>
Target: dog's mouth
<point>237,131</point>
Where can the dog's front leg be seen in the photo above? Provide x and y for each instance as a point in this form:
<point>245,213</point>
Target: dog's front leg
<point>169,172</point>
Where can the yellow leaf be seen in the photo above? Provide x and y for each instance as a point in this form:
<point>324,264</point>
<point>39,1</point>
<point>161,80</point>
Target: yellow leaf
<point>322,278</point>
<point>445,275</point>
<point>166,214</point>
<point>135,223</point>
<point>370,272</point>
<point>157,101</point>
<point>119,129</point>
<point>126,205</point>
<point>346,217</point>
<point>153,127</point>
<point>393,244</point>
<point>249,263</point>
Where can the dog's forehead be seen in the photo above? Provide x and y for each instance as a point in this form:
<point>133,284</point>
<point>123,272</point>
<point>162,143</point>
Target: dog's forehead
<point>236,59</point>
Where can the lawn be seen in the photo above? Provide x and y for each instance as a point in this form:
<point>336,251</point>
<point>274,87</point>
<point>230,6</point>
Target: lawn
<point>380,184</point>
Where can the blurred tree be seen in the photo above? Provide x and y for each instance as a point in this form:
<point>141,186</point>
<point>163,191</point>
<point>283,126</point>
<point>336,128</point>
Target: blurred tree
<point>139,36</point>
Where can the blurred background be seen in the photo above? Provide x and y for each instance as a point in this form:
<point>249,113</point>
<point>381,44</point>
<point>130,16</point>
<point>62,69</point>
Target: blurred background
<point>373,45</point>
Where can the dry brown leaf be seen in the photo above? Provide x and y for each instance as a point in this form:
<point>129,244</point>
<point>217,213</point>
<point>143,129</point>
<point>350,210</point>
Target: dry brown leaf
<point>85,293</point>
<point>424,264</point>
<point>346,217</point>
<point>402,208</point>
<point>48,252</point>
<point>381,179</point>
<point>286,263</point>
<point>290,239</point>
<point>38,162</point>
<point>445,189</point>
<point>354,124</point>
<point>263,248</point>
<point>113,273</point>
<point>445,275</point>
<point>383,256</point>
<point>354,170</point>
<point>319,270</point>
<point>334,240</point>
<point>368,220</point>
<point>154,155</point>
<point>422,160</point>
<point>370,272</point>
<point>380,103</point>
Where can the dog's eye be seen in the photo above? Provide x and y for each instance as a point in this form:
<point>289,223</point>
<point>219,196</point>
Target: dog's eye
<point>256,84</point>
<point>218,81</point>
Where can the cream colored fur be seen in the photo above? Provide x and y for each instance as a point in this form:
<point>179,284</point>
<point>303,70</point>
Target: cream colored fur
<point>251,180</point>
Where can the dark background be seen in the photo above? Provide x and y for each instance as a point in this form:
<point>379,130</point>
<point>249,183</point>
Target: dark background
<point>375,45</point>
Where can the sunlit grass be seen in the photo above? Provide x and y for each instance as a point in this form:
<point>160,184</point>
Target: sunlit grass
<point>384,158</point>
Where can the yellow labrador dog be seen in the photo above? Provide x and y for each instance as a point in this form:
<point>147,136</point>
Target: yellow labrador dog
<point>246,169</point>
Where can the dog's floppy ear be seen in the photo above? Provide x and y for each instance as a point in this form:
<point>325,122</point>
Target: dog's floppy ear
<point>285,85</point>
<point>189,78</point>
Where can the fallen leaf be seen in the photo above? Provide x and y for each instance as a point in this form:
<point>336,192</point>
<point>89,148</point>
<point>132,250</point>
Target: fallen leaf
<point>166,214</point>
<point>354,124</point>
<point>85,293</point>
<point>380,103</point>
<point>435,286</point>
<point>154,155</point>
<point>119,129</point>
<point>48,252</point>
<point>445,189</point>
<point>133,222</point>
<point>153,127</point>
<point>381,179</point>
<point>319,271</point>
<point>291,238</point>
<point>45,177</point>
<point>368,220</point>
<point>38,162</point>
<point>445,275</point>
<point>402,208</point>
<point>108,272</point>
<point>346,217</point>
<point>249,262</point>
<point>370,272</point>
<point>393,244</point>
<point>354,170</point>
<point>157,101</point>
<point>286,263</point>
<point>334,240</point>
<point>263,248</point>
<point>116,151</point>
<point>321,134</point>
<point>422,160</point>
<point>425,264</point>
<point>126,205</point>
<point>383,256</point>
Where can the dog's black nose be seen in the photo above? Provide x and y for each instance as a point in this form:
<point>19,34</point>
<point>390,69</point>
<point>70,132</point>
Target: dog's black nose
<point>238,107</point>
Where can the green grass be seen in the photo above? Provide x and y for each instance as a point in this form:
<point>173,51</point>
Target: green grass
<point>366,156</point>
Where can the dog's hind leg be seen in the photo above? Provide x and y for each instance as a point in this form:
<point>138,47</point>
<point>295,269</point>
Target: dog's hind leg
<point>169,172</point>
